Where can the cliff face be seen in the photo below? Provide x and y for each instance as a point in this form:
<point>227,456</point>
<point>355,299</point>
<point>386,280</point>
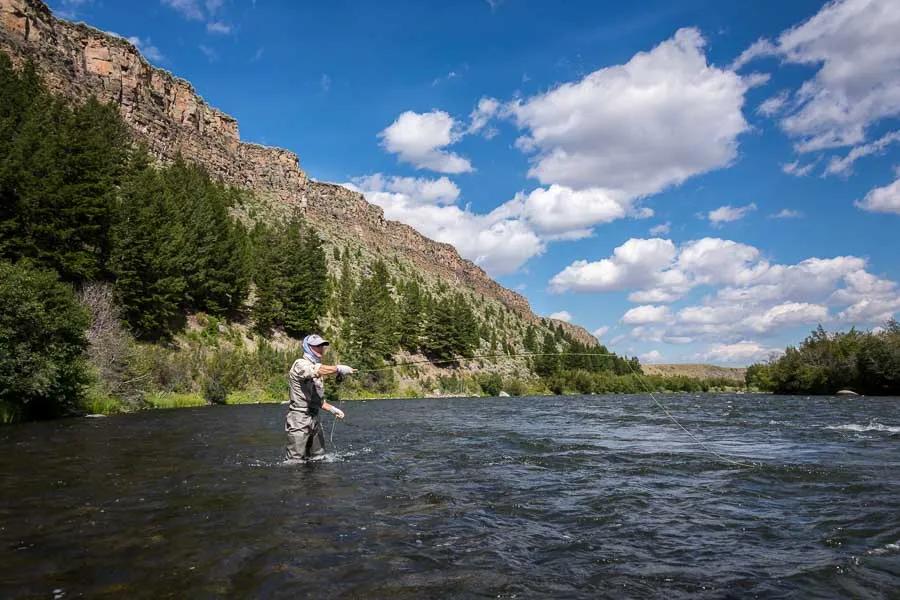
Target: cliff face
<point>167,114</point>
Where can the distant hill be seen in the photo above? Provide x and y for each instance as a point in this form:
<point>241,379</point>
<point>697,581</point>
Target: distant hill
<point>699,371</point>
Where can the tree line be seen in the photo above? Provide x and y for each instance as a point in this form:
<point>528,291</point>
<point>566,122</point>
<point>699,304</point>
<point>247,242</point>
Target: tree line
<point>866,362</point>
<point>82,205</point>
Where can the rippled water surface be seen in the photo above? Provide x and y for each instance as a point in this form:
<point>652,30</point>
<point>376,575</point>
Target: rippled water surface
<point>516,497</point>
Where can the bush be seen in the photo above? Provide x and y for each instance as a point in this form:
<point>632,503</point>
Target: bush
<point>491,384</point>
<point>42,344</point>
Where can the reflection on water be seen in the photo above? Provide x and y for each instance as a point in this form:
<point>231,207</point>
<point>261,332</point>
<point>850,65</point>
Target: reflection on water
<point>515,497</point>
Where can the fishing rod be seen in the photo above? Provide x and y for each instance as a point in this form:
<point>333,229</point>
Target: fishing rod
<point>634,372</point>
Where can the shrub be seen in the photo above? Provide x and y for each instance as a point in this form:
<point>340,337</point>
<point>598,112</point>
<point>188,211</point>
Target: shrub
<point>42,344</point>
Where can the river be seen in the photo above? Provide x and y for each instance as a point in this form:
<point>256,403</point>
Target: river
<point>562,497</point>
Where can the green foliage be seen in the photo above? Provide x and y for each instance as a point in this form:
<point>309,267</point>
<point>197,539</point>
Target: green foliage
<point>491,383</point>
<point>373,320</point>
<point>824,363</point>
<point>59,170</point>
<point>147,257</point>
<point>214,253</point>
<point>291,279</point>
<point>412,310</point>
<point>42,343</point>
<point>451,329</point>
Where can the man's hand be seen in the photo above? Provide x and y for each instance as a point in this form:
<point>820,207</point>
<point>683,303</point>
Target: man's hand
<point>338,413</point>
<point>344,370</point>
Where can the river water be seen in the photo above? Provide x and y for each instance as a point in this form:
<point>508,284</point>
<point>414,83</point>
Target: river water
<point>585,497</point>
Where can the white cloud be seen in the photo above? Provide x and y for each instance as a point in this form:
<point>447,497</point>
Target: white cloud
<point>661,229</point>
<point>798,170</point>
<point>651,357</point>
<point>844,166</point>
<point>481,115</point>
<point>785,315</point>
<point>743,352</point>
<point>787,213</point>
<point>646,314</point>
<point>727,214</point>
<point>559,211</point>
<point>760,48</point>
<point>495,242</point>
<point>325,83</point>
<point>853,44</point>
<point>419,139</point>
<point>882,199</point>
<point>600,331</point>
<point>636,128</point>
<point>773,105</point>
<point>417,189</point>
<point>562,315</point>
<point>750,295</point>
<point>637,263</point>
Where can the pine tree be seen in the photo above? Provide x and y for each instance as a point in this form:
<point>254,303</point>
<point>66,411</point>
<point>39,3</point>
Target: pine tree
<point>216,252</point>
<point>411,313</point>
<point>547,365</point>
<point>373,319</point>
<point>147,254</point>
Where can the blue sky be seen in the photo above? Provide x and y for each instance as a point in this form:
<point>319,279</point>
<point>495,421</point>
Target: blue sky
<point>694,181</point>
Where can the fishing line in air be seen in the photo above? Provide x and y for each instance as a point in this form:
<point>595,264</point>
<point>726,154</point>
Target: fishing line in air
<point>656,401</point>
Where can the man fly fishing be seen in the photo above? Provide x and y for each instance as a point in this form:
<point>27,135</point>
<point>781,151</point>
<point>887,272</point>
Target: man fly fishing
<point>306,440</point>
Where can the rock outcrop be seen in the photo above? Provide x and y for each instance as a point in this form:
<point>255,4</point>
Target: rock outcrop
<point>166,113</point>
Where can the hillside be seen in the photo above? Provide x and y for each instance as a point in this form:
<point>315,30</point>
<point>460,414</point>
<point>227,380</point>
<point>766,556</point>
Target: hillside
<point>166,114</point>
<point>697,371</point>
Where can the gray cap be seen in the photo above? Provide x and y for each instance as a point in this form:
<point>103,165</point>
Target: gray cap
<point>316,340</point>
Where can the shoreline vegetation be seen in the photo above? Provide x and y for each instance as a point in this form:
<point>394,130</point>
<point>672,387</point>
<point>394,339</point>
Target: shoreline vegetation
<point>127,284</point>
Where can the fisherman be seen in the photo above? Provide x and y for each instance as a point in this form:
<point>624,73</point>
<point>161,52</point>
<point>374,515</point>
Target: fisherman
<point>306,440</point>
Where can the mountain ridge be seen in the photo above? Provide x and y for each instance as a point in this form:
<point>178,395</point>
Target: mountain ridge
<point>167,114</point>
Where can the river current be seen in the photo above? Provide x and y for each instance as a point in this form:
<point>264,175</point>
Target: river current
<point>574,497</point>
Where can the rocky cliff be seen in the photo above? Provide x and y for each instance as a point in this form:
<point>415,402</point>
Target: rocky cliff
<point>167,114</point>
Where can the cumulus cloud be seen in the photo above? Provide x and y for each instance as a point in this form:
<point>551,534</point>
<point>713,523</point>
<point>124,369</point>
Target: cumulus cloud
<point>562,315</point>
<point>853,44</point>
<point>420,138</point>
<point>144,46</point>
<point>743,352</point>
<point>600,331</point>
<point>494,241</point>
<point>646,314</point>
<point>636,128</point>
<point>750,295</point>
<point>638,263</point>
<point>728,213</point>
<point>882,199</point>
<point>561,212</point>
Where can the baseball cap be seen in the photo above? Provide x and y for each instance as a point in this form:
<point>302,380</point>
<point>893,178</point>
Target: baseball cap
<point>316,340</point>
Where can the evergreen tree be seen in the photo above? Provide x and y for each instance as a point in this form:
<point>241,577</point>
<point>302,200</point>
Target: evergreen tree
<point>216,257</point>
<point>59,169</point>
<point>291,279</point>
<point>147,254</point>
<point>411,313</point>
<point>373,319</point>
<point>548,364</point>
